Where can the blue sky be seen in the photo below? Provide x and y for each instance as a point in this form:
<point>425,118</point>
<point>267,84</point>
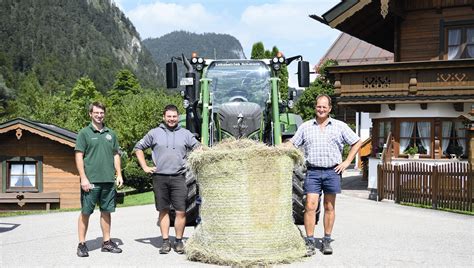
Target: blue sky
<point>284,23</point>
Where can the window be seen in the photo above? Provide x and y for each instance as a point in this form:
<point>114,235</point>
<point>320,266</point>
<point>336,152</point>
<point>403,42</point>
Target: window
<point>453,142</point>
<point>22,174</point>
<point>460,42</point>
<point>415,133</point>
<point>384,128</point>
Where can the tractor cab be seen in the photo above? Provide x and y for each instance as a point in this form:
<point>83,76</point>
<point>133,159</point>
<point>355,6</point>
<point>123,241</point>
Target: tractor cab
<point>239,92</point>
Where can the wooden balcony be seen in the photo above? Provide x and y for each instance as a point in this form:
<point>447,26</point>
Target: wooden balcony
<point>365,87</point>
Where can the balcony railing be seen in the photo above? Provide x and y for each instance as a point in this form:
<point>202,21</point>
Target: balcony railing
<point>405,82</point>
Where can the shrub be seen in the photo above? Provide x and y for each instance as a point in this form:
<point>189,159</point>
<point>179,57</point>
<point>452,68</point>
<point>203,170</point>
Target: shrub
<point>135,177</point>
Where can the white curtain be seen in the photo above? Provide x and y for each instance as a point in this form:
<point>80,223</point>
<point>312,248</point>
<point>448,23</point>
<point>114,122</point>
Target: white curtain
<point>470,42</point>
<point>406,130</point>
<point>424,132</point>
<point>454,44</point>
<point>461,133</point>
<point>446,129</point>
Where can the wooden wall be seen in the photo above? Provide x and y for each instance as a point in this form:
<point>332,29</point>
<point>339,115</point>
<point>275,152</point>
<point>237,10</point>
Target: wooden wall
<point>59,170</point>
<point>420,31</point>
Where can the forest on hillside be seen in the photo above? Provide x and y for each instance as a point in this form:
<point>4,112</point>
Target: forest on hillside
<point>61,41</point>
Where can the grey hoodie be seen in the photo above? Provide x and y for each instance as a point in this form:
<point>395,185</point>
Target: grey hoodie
<point>169,148</point>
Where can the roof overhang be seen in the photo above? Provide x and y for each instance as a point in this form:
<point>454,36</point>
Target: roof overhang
<point>37,128</point>
<point>362,19</point>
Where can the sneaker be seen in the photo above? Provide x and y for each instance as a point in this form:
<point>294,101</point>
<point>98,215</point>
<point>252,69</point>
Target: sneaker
<point>82,250</point>
<point>310,247</point>
<point>327,249</point>
<point>179,246</point>
<point>110,246</point>
<point>166,247</point>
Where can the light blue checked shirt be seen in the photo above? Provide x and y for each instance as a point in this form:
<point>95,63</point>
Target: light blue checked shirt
<point>323,147</point>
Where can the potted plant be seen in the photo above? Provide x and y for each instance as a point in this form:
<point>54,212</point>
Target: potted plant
<point>412,152</point>
<point>458,150</point>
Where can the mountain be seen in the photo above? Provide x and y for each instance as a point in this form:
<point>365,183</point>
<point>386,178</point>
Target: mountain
<point>62,41</point>
<point>207,45</point>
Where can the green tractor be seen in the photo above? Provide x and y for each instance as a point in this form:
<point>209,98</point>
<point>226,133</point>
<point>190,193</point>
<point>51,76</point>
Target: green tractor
<point>238,98</point>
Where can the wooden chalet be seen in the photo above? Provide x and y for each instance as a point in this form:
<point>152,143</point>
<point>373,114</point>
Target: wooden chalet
<point>349,50</point>
<point>418,100</point>
<point>37,168</point>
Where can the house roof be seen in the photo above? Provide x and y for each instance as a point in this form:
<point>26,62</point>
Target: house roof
<point>349,50</point>
<point>362,19</point>
<point>49,131</point>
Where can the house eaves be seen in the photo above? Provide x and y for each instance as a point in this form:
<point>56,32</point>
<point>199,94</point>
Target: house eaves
<point>48,131</point>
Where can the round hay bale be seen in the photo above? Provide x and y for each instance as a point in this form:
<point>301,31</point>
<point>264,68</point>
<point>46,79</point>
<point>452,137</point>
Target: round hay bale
<point>246,209</point>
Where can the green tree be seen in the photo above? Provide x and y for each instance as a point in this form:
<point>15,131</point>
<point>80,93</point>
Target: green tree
<point>125,84</point>
<point>28,99</point>
<point>83,93</point>
<point>258,51</point>
<point>5,95</point>
<point>322,85</point>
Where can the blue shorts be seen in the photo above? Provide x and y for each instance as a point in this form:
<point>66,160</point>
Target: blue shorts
<point>322,179</point>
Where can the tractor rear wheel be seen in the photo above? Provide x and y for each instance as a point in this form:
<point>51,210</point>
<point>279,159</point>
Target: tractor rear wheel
<point>192,202</point>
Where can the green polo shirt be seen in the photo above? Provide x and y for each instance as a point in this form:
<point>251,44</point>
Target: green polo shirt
<point>99,148</point>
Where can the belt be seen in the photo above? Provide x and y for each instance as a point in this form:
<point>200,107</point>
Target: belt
<point>320,168</point>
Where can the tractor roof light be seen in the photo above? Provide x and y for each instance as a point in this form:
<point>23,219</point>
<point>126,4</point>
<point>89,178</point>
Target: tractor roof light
<point>278,61</point>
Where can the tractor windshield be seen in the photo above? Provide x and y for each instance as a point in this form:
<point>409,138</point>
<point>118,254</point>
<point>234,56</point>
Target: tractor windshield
<point>239,81</point>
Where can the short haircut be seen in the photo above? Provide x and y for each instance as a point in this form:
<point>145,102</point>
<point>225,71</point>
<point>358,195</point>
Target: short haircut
<point>323,96</point>
<point>170,107</point>
<point>97,104</point>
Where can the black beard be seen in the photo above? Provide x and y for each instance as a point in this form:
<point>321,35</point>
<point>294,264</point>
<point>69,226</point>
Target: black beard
<point>170,127</point>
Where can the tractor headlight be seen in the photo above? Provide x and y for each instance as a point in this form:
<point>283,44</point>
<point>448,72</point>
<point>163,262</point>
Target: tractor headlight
<point>291,104</point>
<point>275,60</point>
<point>194,60</point>
<point>276,66</point>
<point>200,60</point>
<point>281,60</point>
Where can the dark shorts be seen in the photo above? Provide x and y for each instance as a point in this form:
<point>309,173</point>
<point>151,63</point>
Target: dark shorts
<point>170,190</point>
<point>102,194</point>
<point>324,180</point>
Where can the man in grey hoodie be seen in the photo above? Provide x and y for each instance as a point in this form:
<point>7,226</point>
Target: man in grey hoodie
<point>170,144</point>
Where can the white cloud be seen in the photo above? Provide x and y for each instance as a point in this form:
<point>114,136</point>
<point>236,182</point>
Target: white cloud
<point>157,19</point>
<point>284,23</point>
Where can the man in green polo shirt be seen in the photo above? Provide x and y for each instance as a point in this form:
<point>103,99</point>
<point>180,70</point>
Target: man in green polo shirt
<point>98,163</point>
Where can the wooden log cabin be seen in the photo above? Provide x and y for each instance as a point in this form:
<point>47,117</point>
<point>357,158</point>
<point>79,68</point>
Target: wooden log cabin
<point>37,167</point>
<point>420,97</point>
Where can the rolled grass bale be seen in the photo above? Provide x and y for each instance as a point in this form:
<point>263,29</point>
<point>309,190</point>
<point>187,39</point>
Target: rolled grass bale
<point>246,209</point>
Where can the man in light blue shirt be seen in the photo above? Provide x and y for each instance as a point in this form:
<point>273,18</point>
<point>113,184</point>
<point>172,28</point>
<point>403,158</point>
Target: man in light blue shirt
<point>323,141</point>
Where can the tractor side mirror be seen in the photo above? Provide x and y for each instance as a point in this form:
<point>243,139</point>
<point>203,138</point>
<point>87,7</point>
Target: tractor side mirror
<point>303,73</point>
<point>171,75</point>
